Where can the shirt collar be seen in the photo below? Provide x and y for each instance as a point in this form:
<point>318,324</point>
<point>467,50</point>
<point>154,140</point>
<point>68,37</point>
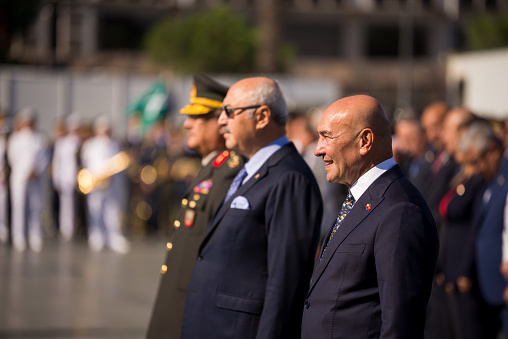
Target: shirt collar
<point>207,158</point>
<point>363,183</point>
<point>260,157</point>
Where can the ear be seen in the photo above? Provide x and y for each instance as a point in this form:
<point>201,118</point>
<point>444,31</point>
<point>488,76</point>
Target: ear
<point>366,140</point>
<point>263,116</point>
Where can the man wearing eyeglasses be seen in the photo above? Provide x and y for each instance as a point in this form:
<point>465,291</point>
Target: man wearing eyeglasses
<point>255,263</point>
<point>202,198</point>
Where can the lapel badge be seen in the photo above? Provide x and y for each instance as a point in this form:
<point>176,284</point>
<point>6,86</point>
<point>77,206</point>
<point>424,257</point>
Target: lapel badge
<point>367,207</point>
<point>257,176</point>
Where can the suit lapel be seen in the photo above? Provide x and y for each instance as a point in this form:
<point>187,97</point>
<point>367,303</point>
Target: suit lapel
<point>367,203</point>
<point>261,173</point>
<point>495,187</point>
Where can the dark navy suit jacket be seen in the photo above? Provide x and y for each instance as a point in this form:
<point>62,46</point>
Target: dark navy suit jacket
<point>375,277</point>
<point>254,265</point>
<point>489,239</point>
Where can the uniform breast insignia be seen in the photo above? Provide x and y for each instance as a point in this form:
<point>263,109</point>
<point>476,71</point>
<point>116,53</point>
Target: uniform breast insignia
<point>234,160</point>
<point>219,160</point>
<point>203,187</point>
<point>188,219</point>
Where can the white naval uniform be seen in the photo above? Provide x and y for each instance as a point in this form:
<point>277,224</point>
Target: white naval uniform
<point>65,171</point>
<point>27,152</point>
<point>103,203</point>
<point>4,230</point>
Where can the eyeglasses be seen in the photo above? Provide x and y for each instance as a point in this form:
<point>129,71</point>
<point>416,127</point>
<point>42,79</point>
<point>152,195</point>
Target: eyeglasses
<point>229,110</point>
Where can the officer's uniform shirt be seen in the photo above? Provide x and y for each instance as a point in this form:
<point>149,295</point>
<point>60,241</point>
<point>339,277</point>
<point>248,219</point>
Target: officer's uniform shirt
<point>202,198</point>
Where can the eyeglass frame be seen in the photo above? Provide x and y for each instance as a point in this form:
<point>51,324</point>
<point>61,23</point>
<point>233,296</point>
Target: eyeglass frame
<point>230,110</point>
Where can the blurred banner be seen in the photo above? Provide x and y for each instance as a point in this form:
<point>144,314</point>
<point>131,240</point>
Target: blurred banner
<point>151,105</point>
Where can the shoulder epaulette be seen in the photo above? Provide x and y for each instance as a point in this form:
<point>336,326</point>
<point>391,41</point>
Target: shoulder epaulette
<point>220,159</point>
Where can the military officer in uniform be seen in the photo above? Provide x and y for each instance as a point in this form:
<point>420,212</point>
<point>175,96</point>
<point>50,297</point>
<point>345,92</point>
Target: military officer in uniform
<point>205,193</point>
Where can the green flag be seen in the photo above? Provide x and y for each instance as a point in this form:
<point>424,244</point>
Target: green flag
<point>151,105</point>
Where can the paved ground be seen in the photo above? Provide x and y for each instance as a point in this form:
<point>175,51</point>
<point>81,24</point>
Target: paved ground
<point>66,291</point>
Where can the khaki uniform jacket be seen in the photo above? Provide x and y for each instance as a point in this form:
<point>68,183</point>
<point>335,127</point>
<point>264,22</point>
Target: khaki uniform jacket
<point>199,203</point>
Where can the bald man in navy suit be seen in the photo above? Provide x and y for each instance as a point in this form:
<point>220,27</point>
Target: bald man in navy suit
<point>374,275</point>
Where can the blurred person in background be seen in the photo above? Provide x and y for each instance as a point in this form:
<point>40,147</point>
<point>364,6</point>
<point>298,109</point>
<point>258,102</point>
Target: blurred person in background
<point>482,149</point>
<point>64,172</point>
<point>104,210</point>
<point>411,141</point>
<point>205,193</point>
<point>4,183</point>
<point>302,131</point>
<point>28,157</point>
<point>458,210</point>
<point>442,170</point>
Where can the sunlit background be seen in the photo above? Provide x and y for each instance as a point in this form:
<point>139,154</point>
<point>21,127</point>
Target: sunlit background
<point>132,61</point>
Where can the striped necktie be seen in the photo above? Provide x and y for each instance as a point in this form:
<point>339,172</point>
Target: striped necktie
<point>347,205</point>
<point>237,182</point>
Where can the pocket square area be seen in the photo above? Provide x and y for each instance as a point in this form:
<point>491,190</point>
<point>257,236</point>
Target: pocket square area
<point>240,203</point>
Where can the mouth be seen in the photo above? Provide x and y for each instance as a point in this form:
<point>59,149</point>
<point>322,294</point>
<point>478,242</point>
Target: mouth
<point>328,162</point>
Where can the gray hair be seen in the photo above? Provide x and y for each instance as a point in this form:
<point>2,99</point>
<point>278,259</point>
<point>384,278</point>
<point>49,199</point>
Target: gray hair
<point>270,95</point>
<point>478,136</point>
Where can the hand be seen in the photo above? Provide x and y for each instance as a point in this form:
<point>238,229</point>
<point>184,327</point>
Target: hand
<point>449,288</point>
<point>505,296</point>
<point>504,269</point>
<point>440,278</point>
<point>33,175</point>
<point>464,284</point>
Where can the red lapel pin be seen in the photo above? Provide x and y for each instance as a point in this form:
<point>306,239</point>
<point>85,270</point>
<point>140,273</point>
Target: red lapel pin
<point>367,207</point>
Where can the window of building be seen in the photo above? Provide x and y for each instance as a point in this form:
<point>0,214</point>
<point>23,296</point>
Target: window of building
<point>314,40</point>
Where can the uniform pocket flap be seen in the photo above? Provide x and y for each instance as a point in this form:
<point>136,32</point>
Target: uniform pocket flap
<point>239,304</point>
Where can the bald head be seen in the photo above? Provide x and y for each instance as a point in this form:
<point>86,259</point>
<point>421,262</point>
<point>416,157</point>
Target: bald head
<point>363,111</point>
<point>354,136</point>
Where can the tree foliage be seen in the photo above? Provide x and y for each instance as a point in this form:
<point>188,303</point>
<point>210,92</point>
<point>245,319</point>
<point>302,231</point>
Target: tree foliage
<point>486,31</point>
<point>218,40</point>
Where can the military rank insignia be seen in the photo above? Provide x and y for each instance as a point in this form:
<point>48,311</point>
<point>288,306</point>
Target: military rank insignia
<point>219,160</point>
<point>234,160</point>
<point>203,187</point>
<point>188,219</point>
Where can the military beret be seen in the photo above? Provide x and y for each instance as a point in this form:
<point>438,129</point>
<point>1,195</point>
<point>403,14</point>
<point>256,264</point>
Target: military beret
<point>206,96</point>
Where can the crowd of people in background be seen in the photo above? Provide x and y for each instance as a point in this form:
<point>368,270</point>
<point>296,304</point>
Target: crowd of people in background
<point>456,160</point>
<point>77,184</point>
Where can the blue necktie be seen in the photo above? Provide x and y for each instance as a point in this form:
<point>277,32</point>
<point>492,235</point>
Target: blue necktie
<point>347,205</point>
<point>237,182</point>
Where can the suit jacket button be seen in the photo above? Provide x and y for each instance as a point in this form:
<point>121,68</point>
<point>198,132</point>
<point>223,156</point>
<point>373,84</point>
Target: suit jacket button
<point>200,258</point>
<point>307,304</point>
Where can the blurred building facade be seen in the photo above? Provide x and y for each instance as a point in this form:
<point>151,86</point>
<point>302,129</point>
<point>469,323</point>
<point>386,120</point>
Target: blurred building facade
<point>393,49</point>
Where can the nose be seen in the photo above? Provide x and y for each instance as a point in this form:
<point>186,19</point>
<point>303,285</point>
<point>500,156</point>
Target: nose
<point>187,123</point>
<point>223,118</point>
<point>319,150</point>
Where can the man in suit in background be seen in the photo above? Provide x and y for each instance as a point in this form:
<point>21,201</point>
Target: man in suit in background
<point>205,193</point>
<point>484,150</point>
<point>255,263</point>
<point>374,275</point>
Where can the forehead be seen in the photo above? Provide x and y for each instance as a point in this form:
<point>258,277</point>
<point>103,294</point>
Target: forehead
<point>333,120</point>
<point>237,93</point>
